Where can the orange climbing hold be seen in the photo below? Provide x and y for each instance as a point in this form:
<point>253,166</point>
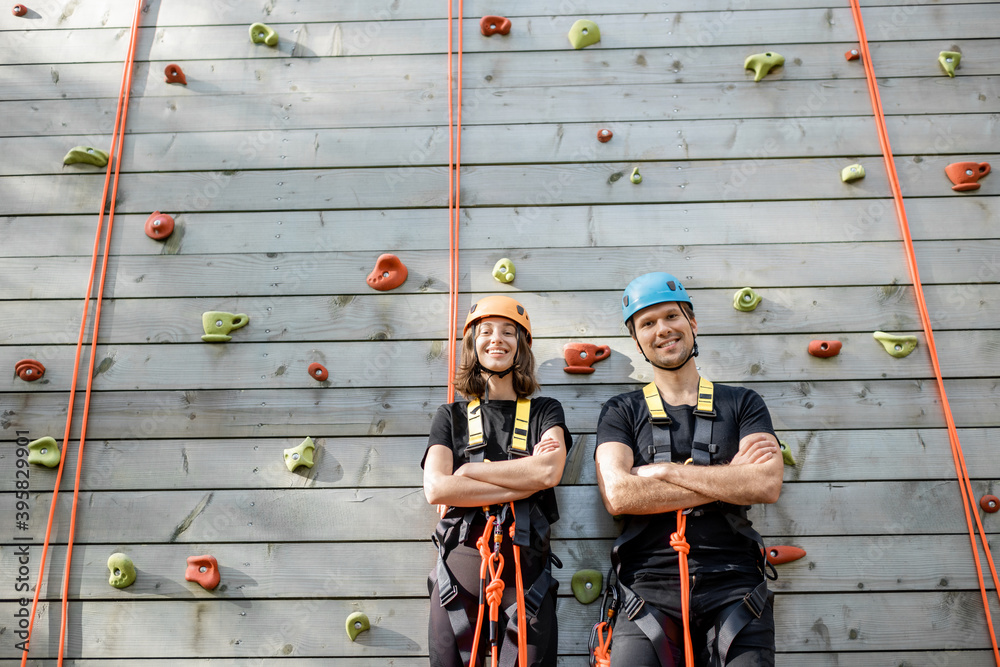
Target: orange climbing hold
<point>174,74</point>
<point>159,226</point>
<point>966,175</point>
<point>204,571</point>
<point>494,25</point>
<point>389,273</point>
<point>783,554</point>
<point>318,372</point>
<point>853,54</point>
<point>989,503</point>
<point>19,10</point>
<point>604,135</point>
<point>29,370</point>
<point>825,348</point>
<point>580,357</point>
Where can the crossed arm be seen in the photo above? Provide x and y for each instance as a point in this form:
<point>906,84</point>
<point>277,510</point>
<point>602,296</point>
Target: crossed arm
<point>753,476</point>
<point>489,483</point>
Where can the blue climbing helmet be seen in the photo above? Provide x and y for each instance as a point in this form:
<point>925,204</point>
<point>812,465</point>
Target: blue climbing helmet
<point>650,289</point>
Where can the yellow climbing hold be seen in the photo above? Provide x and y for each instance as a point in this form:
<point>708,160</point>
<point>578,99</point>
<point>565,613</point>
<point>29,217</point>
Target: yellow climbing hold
<point>584,33</point>
<point>261,33</point>
<point>762,63</point>
<point>852,172</point>
<point>44,451</point>
<point>786,453</point>
<point>897,346</point>
<point>356,624</point>
<point>300,456</point>
<point>86,155</point>
<point>746,300</point>
<point>949,61</point>
<point>636,177</point>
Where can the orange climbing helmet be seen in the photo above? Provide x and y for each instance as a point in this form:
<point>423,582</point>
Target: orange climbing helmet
<point>498,306</point>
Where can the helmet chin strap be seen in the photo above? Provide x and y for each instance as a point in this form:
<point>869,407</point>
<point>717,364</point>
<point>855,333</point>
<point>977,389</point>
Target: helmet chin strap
<point>499,374</point>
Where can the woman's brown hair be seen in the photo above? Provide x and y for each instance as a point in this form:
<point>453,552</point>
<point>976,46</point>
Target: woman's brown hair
<point>471,382</point>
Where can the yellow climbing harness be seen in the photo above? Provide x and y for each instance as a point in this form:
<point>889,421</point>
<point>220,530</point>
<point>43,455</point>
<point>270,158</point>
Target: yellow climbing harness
<point>706,399</point>
<point>519,438</point>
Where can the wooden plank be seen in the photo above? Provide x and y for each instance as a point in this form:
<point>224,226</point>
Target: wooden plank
<point>820,312</point>
<point>731,359</point>
<point>351,515</point>
<point>408,411</point>
<point>813,623</point>
<point>603,105</point>
<point>852,137</point>
<point>380,570</point>
<point>278,274</point>
<point>826,455</point>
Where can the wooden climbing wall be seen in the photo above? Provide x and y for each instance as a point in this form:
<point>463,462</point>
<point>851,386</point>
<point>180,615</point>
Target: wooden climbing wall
<point>289,170</point>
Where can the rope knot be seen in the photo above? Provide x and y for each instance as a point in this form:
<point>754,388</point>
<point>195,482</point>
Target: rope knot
<point>680,544</point>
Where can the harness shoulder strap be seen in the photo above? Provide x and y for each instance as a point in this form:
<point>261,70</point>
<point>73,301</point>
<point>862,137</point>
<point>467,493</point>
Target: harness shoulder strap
<point>660,421</point>
<point>477,443</point>
<point>519,438</point>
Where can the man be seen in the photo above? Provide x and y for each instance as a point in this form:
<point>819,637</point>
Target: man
<point>644,438</point>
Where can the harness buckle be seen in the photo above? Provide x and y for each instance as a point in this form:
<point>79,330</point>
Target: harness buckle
<point>633,606</point>
<point>754,603</point>
<point>475,449</point>
<point>663,421</point>
<point>711,414</point>
<point>449,596</point>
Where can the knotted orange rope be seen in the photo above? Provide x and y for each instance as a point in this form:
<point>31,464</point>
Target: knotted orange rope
<point>681,546</point>
<point>485,553</point>
<point>602,652</point>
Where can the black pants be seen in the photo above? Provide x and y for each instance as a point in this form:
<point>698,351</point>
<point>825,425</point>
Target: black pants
<point>463,562</point>
<point>710,595</point>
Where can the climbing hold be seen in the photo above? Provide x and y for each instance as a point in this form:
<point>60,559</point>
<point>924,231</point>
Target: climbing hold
<point>604,136</point>
<point>989,503</point>
<point>966,175</point>
<point>356,624</point>
<point>636,177</point>
<point>949,61</point>
<point>86,155</point>
<point>300,456</point>
<point>19,10</point>
<point>218,324</point>
<point>587,585</point>
<point>261,33</point>
<point>746,300</point>
<point>492,25</point>
<point>581,356</point>
<point>897,346</point>
<point>825,348</point>
<point>584,33</point>
<point>503,270</point>
<point>318,372</point>
<point>122,570</point>
<point>159,226</point>
<point>852,172</point>
<point>389,273</point>
<point>44,451</point>
<point>29,370</point>
<point>783,554</point>
<point>853,54</point>
<point>762,63</point>
<point>203,570</point>
<point>786,453</point>
<point>174,74</point>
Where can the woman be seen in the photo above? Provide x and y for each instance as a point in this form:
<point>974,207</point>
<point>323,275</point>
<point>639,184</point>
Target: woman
<point>491,462</point>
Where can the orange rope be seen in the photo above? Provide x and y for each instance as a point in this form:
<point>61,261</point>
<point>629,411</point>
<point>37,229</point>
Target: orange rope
<point>681,546</point>
<point>522,613</point>
<point>964,483</point>
<point>454,190</point>
<point>602,652</point>
<point>483,544</point>
<point>114,165</point>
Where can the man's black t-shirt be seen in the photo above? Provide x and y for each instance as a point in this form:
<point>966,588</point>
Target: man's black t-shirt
<point>714,546</point>
<point>451,429</point>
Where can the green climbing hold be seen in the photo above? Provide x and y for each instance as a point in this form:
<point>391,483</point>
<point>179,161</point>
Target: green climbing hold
<point>122,570</point>
<point>636,177</point>
<point>584,33</point>
<point>746,300</point>
<point>218,324</point>
<point>786,453</point>
<point>261,33</point>
<point>897,346</point>
<point>586,585</point>
<point>852,172</point>
<point>762,63</point>
<point>86,155</point>
<point>300,456</point>
<point>356,624</point>
<point>44,451</point>
<point>949,61</point>
<point>503,270</point>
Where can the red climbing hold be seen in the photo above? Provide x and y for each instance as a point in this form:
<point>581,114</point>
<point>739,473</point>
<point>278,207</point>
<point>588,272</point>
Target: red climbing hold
<point>965,175</point>
<point>389,273</point>
<point>491,25</point>
<point>989,503</point>
<point>853,54</point>
<point>825,348</point>
<point>203,570</point>
<point>580,357</point>
<point>318,372</point>
<point>19,10</point>
<point>604,136</point>
<point>159,226</point>
<point>29,370</point>
<point>175,74</point>
<point>783,554</point>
